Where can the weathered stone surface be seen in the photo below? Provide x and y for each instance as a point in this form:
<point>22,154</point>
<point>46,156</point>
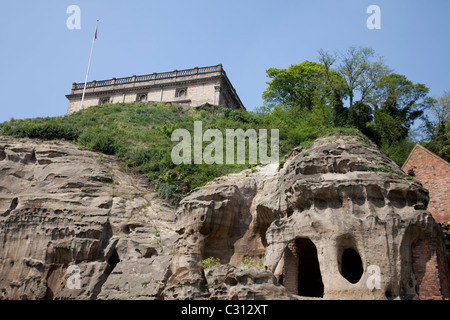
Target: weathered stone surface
<point>226,282</point>
<point>63,207</point>
<point>336,221</point>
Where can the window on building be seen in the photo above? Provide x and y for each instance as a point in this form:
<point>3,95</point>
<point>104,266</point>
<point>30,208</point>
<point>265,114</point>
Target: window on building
<point>142,97</point>
<point>104,100</point>
<point>182,92</point>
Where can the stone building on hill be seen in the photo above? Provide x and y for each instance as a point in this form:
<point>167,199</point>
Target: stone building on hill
<point>434,174</point>
<point>186,88</point>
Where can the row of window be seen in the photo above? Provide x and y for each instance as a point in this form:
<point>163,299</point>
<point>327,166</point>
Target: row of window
<point>142,97</point>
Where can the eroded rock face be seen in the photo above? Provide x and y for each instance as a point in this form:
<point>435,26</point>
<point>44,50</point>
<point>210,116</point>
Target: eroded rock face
<point>337,221</point>
<point>66,213</point>
<point>345,196</point>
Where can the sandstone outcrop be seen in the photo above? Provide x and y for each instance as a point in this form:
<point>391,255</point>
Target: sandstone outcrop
<point>336,221</point>
<point>68,214</point>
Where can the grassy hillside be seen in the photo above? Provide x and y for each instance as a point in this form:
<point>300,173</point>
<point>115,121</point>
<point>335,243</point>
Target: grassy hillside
<point>139,136</point>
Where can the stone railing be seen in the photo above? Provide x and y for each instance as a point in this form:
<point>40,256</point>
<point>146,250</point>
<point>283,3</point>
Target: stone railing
<point>148,77</point>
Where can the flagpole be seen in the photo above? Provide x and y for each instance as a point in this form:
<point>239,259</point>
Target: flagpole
<point>89,66</point>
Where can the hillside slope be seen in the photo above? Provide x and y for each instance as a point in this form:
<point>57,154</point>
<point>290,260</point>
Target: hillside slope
<point>139,136</point>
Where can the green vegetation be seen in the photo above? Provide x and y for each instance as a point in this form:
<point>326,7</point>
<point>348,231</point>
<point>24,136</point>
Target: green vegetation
<point>355,89</point>
<point>210,262</point>
<point>159,240</point>
<point>437,126</point>
<point>139,136</point>
<point>304,102</point>
<point>249,263</point>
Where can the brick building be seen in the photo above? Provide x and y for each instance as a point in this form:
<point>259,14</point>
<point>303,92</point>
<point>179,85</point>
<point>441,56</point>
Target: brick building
<point>186,88</point>
<point>430,268</point>
<point>434,174</point>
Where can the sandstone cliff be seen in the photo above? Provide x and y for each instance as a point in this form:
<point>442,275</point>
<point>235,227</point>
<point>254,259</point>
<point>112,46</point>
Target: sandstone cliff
<point>337,221</point>
<point>61,206</point>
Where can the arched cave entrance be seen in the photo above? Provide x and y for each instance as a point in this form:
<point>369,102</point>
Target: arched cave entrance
<point>302,270</point>
<point>351,266</point>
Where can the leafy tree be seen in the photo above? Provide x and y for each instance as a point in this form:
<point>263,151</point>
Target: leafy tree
<point>437,126</point>
<point>360,116</point>
<point>295,86</point>
<point>397,102</point>
<point>302,86</point>
<point>358,70</point>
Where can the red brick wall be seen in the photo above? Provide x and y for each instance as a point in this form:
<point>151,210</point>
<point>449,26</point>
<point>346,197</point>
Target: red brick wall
<point>430,270</point>
<point>434,174</point>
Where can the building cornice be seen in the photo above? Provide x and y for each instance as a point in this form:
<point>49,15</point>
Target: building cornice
<point>105,90</point>
<point>156,80</point>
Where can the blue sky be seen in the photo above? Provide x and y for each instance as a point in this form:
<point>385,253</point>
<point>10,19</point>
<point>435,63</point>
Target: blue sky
<point>40,57</point>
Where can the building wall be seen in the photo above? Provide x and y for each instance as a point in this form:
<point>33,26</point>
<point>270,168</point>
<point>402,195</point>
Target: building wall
<point>434,174</point>
<point>74,105</point>
<point>154,95</point>
<point>429,266</point>
<point>202,93</point>
<point>198,94</point>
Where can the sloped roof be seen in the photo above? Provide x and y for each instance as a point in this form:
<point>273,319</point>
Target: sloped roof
<point>418,146</point>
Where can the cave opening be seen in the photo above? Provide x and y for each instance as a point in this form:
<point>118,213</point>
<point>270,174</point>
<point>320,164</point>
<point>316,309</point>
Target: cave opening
<point>309,277</point>
<point>302,270</point>
<point>351,265</point>
<point>113,260</point>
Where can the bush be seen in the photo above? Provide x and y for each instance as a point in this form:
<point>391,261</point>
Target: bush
<point>138,157</point>
<point>44,131</point>
<point>398,152</point>
<point>168,129</point>
<point>169,191</point>
<point>210,262</point>
<point>102,141</point>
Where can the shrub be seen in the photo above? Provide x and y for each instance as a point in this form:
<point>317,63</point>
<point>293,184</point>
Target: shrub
<point>102,141</point>
<point>210,262</point>
<point>168,129</point>
<point>169,191</point>
<point>248,263</point>
<point>138,157</point>
<point>139,136</point>
<point>44,131</point>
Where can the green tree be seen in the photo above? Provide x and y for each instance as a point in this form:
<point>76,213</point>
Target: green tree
<point>308,98</point>
<point>437,126</point>
<point>359,68</point>
<point>397,102</point>
<point>360,116</point>
<point>301,86</point>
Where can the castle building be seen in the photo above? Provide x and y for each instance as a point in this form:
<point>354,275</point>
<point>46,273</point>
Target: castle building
<point>186,88</point>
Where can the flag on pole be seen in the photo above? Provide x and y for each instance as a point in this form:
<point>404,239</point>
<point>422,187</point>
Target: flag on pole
<point>89,66</point>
